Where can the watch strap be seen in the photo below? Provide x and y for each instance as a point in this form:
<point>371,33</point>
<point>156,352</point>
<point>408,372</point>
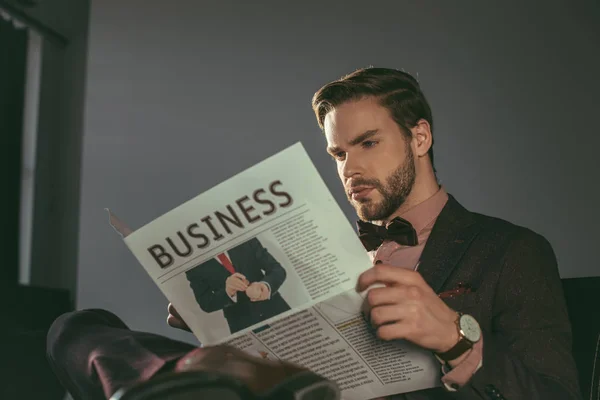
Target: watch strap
<point>458,350</point>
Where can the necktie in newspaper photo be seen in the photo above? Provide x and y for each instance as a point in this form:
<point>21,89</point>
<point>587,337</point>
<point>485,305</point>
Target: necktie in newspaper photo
<point>226,263</point>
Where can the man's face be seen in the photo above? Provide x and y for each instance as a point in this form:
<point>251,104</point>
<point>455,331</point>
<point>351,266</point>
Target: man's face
<point>374,159</point>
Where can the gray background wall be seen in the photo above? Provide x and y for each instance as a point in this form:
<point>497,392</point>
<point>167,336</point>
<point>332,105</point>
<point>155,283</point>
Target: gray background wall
<point>182,95</point>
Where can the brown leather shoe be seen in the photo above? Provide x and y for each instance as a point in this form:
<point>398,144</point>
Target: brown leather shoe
<point>225,373</point>
<point>191,385</point>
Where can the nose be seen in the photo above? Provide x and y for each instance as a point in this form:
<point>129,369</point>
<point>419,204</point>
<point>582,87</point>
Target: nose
<point>350,167</point>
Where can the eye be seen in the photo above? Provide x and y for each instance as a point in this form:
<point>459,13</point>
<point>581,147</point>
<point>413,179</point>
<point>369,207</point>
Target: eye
<point>369,143</point>
<point>339,156</point>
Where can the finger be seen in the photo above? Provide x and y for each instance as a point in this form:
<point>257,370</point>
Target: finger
<point>382,315</point>
<point>178,323</point>
<point>240,276</point>
<point>257,296</point>
<point>389,275</point>
<point>241,280</point>
<point>237,285</point>
<point>393,331</point>
<point>171,309</point>
<point>380,296</point>
<point>393,295</point>
<point>244,284</point>
<point>174,321</point>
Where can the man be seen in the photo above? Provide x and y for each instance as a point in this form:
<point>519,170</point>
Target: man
<point>379,126</point>
<point>482,294</point>
<point>243,282</point>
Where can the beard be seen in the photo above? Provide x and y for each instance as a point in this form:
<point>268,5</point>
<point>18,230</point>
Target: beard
<point>394,191</point>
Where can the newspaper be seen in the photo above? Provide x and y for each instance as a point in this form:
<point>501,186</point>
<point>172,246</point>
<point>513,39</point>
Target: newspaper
<point>267,262</point>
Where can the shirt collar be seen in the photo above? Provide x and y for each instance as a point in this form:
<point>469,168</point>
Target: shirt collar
<point>421,215</point>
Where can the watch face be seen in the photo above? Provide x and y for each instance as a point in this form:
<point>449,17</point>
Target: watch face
<point>470,328</point>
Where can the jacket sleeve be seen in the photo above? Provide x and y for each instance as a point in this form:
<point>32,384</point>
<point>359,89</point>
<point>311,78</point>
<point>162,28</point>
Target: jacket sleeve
<point>527,353</point>
<point>274,273</point>
<point>209,298</point>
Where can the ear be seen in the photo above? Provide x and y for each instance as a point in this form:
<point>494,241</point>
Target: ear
<point>422,138</point>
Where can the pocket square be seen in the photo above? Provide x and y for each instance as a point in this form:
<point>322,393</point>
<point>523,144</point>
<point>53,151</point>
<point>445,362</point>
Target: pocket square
<point>462,288</point>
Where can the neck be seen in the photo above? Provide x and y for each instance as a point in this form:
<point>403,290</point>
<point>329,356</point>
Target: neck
<point>422,190</point>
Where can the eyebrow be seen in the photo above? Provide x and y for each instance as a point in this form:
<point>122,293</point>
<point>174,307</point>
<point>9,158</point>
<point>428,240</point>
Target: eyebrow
<point>357,140</point>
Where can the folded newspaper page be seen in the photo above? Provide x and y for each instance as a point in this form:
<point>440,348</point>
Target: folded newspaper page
<point>267,262</point>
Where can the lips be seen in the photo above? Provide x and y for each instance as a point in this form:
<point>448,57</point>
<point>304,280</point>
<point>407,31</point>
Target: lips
<point>360,192</point>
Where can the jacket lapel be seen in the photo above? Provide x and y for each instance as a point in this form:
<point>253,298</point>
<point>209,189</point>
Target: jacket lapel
<point>236,260</point>
<point>216,266</point>
<point>452,233</point>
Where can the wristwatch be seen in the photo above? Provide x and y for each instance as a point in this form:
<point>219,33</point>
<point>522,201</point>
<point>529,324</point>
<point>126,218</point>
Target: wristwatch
<point>469,333</point>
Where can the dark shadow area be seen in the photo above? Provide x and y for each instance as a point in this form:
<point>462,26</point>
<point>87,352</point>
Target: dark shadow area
<point>582,296</point>
<point>32,304</point>
<point>13,56</point>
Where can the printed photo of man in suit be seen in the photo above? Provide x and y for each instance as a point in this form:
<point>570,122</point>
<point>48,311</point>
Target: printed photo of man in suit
<point>243,282</point>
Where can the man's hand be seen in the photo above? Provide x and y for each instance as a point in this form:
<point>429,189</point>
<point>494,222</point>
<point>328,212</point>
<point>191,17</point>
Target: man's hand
<point>175,320</point>
<point>236,283</point>
<point>407,308</point>
<point>257,291</point>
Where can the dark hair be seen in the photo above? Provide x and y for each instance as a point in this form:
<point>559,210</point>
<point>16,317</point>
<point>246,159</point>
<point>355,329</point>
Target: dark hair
<point>397,91</point>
